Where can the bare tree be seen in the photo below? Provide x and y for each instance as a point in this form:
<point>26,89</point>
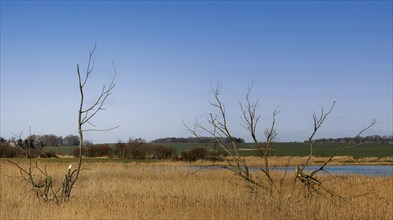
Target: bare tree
<point>218,128</point>
<point>234,161</point>
<point>71,140</point>
<point>85,116</point>
<point>45,189</point>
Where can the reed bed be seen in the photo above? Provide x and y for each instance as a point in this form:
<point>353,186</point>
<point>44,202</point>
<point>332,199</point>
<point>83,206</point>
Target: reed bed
<point>337,160</point>
<point>156,191</point>
<point>279,161</point>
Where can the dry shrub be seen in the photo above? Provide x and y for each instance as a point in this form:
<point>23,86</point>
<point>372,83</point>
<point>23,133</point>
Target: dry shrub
<point>195,154</point>
<point>102,150</point>
<point>75,152</point>
<point>7,151</point>
<point>141,151</point>
<point>134,152</point>
<point>200,153</point>
<point>159,152</point>
<point>48,154</point>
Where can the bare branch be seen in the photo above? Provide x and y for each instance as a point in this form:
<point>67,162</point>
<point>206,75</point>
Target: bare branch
<point>350,144</point>
<point>318,121</point>
<point>107,129</point>
<point>310,181</point>
<point>18,136</point>
<point>90,66</point>
<point>219,129</point>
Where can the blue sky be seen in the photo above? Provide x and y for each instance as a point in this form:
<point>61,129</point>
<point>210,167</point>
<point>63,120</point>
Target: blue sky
<point>300,55</point>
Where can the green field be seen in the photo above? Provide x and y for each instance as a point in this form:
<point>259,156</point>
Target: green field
<point>302,149</point>
<point>280,149</point>
<point>64,150</point>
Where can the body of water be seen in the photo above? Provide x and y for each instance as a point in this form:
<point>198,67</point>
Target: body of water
<point>366,170</point>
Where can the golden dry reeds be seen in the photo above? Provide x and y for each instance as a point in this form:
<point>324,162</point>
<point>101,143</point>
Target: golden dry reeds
<point>156,191</point>
<point>280,161</point>
<point>275,161</point>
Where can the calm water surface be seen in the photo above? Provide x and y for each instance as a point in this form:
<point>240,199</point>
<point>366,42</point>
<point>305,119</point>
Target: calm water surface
<point>366,170</point>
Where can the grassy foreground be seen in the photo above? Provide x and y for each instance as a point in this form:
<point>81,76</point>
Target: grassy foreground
<point>163,191</point>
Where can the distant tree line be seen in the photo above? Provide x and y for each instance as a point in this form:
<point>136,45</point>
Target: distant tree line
<point>51,140</point>
<point>375,139</point>
<point>40,141</point>
<point>196,140</point>
<point>139,149</point>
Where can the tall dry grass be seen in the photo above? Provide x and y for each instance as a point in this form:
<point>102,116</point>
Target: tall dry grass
<point>153,191</point>
<point>338,160</point>
<point>278,161</point>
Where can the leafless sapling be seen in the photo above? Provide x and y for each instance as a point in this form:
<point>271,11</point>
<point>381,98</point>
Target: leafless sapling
<point>43,187</point>
<point>218,129</point>
<point>85,116</point>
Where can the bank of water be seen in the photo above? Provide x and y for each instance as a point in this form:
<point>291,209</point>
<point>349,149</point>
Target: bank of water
<point>365,170</point>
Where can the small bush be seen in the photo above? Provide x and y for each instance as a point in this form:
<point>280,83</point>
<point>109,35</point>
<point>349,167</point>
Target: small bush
<point>94,151</point>
<point>141,151</point>
<point>165,153</point>
<point>134,152</point>
<point>195,154</point>
<point>200,153</point>
<point>134,149</point>
<point>75,152</point>
<point>48,154</point>
<point>160,152</point>
<point>100,151</point>
<point>119,150</point>
<point>7,151</point>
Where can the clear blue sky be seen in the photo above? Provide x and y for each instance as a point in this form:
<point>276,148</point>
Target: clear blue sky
<point>300,55</point>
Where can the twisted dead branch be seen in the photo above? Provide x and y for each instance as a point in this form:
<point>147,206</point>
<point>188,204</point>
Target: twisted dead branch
<point>41,186</point>
<point>234,161</point>
<point>311,181</point>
